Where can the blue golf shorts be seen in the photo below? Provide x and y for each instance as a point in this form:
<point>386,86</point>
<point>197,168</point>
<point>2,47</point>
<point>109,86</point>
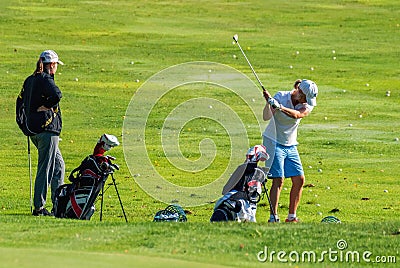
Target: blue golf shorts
<point>284,161</point>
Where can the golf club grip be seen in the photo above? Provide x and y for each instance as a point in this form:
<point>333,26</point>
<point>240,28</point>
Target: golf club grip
<point>266,91</point>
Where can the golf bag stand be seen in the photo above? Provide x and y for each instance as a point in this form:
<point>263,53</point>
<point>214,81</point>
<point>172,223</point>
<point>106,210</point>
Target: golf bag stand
<point>268,199</point>
<point>119,198</point>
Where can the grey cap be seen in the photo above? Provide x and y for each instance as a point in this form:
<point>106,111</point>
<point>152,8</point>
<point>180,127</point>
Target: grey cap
<point>310,89</point>
<point>49,56</point>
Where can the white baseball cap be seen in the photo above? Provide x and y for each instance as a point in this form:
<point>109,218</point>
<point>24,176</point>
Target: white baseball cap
<point>49,56</point>
<point>310,89</point>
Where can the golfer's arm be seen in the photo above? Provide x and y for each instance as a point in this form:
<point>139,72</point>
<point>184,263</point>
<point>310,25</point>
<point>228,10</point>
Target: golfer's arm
<point>267,112</point>
<point>296,114</point>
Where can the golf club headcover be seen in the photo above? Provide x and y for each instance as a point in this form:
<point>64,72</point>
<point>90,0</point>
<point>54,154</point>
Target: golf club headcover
<point>257,153</point>
<point>105,143</point>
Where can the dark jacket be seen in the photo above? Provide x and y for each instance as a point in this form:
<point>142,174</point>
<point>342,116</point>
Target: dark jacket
<point>43,92</point>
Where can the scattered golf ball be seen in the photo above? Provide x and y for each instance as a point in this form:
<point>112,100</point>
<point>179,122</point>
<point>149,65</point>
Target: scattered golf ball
<point>396,139</point>
<point>388,93</point>
<point>340,170</point>
<point>253,100</point>
<point>285,189</point>
<point>210,71</point>
<point>291,67</point>
<point>367,85</point>
<point>309,166</point>
<point>210,107</point>
<point>334,58</point>
<point>328,188</point>
<point>333,51</point>
<point>137,81</point>
<point>297,52</point>
<point>319,213</point>
<point>344,90</point>
<point>318,205</point>
<point>385,191</point>
<point>326,118</point>
<point>233,42</point>
<point>319,170</point>
<point>350,125</point>
<point>132,62</point>
<point>312,68</point>
<point>76,79</point>
<point>360,116</point>
<point>234,56</point>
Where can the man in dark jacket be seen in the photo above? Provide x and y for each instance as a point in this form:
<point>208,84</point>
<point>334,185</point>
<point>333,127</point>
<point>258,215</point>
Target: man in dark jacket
<point>44,119</point>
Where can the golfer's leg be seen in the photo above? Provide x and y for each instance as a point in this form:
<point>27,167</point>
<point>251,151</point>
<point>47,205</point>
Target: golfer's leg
<point>294,169</point>
<point>274,193</point>
<point>295,193</point>
<point>275,165</point>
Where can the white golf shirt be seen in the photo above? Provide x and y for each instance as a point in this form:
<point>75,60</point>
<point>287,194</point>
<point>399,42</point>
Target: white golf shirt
<point>282,128</point>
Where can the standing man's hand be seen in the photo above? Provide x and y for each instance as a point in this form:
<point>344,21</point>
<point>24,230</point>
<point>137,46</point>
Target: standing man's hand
<point>43,109</point>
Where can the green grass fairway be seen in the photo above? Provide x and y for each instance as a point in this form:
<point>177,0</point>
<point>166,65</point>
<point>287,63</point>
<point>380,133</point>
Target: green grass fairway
<point>32,258</point>
<point>116,55</point>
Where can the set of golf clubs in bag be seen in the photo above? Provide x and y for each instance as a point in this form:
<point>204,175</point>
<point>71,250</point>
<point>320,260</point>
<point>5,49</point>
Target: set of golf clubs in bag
<point>76,200</point>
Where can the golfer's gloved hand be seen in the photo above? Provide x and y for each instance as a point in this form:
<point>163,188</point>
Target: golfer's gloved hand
<point>274,103</point>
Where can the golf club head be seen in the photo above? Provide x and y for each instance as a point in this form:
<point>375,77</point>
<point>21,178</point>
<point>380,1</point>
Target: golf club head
<point>236,38</point>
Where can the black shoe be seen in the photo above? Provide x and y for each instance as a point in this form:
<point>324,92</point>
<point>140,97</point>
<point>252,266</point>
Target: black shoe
<point>41,212</point>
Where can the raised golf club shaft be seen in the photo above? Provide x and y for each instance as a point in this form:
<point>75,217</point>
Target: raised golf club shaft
<point>235,37</point>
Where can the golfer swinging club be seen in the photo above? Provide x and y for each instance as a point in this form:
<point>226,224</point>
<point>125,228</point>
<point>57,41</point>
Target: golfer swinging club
<point>280,138</point>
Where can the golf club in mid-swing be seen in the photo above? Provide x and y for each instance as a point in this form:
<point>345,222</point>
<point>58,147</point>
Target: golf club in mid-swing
<point>236,38</point>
